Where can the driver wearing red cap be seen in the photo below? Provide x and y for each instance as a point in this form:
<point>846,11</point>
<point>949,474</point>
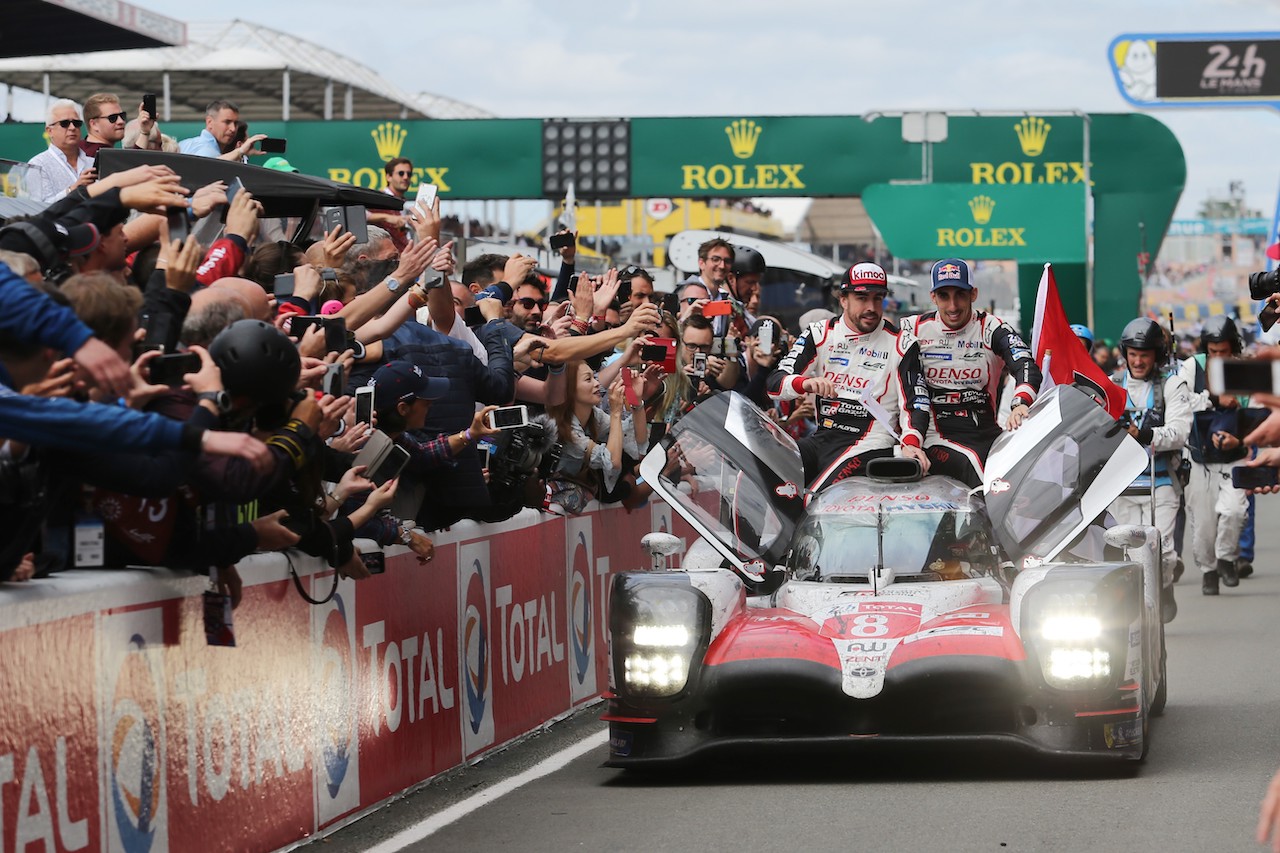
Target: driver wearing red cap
<point>963,351</point>
<point>871,395</point>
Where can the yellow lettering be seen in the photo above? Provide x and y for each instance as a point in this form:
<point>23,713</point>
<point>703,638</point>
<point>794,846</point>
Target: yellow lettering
<point>766,176</point>
<point>964,236</point>
<point>719,177</point>
<point>1054,172</point>
<point>1027,170</point>
<point>740,178</point>
<point>791,171</point>
<point>342,176</point>
<point>998,236</point>
<point>1077,173</point>
<point>1008,173</point>
<point>946,237</point>
<point>983,173</point>
<point>980,237</point>
<point>695,178</point>
<point>1015,237</point>
<point>436,174</point>
<point>366,177</point>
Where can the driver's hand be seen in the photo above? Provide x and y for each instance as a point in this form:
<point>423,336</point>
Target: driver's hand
<point>910,451</point>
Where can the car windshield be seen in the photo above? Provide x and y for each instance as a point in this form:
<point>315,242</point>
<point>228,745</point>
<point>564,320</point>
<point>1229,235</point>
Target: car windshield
<point>925,537</point>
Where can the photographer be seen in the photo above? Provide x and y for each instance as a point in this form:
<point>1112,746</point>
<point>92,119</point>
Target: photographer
<point>1216,509</point>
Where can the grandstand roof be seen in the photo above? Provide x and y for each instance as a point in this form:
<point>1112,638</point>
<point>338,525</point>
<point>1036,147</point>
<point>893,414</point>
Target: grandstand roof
<point>49,25</point>
<point>242,62</point>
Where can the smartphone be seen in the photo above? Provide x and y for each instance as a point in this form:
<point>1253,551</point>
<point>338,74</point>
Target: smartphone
<point>364,405</point>
<point>1244,477</point>
<point>560,241</point>
<point>374,561</point>
<point>334,382</point>
<point>335,334</point>
<point>661,351</point>
<point>161,333</point>
<point>149,104</point>
<point>718,308</point>
<point>179,223</point>
<point>234,186</point>
<point>390,466</point>
<point>426,197</point>
<point>472,317</point>
<point>700,364</point>
<point>169,368</point>
<point>272,145</point>
<point>765,336</point>
<point>298,325</point>
<point>671,304</point>
<point>282,286</point>
<point>1243,376</point>
<point>628,380</point>
<point>353,218</point>
<point>509,417</point>
<point>486,453</point>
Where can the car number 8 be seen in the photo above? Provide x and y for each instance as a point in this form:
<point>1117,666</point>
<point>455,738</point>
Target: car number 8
<point>869,625</point>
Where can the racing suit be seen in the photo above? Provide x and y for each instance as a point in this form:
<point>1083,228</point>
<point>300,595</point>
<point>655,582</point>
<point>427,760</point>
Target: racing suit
<point>1162,413</point>
<point>962,370</point>
<point>1217,509</point>
<point>880,365</point>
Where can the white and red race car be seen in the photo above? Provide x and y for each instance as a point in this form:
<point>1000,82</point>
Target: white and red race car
<point>890,608</point>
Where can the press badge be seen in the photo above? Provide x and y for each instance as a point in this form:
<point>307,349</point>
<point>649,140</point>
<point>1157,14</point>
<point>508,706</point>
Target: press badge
<point>90,539</point>
<point>219,626</point>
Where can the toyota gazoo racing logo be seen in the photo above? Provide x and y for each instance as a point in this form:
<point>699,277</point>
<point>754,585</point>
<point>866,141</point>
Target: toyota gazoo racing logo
<point>580,609</point>
<point>337,671</point>
<point>475,645</point>
<point>134,772</point>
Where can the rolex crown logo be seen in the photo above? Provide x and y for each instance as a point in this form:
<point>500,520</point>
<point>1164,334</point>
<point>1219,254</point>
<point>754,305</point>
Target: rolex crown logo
<point>1032,134</point>
<point>982,207</point>
<point>389,137</point>
<point>743,135</point>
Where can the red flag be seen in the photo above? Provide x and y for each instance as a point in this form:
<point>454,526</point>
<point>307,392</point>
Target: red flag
<point>1069,362</point>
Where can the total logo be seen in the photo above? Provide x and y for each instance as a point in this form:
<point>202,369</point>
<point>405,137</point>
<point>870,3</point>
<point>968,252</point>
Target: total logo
<point>133,734</point>
<point>336,681</point>
<point>580,610</point>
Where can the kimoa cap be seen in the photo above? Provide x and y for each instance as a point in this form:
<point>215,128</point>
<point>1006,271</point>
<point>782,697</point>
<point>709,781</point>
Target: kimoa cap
<point>864,278</point>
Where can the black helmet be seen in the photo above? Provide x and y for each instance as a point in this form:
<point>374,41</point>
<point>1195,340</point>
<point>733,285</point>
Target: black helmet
<point>747,261</point>
<point>1218,329</point>
<point>1143,333</point>
<point>257,361</point>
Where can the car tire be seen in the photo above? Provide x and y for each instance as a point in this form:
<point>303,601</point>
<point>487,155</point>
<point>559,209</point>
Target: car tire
<point>1161,697</point>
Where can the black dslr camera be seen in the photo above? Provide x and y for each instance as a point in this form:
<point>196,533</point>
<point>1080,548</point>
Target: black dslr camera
<point>1261,286</point>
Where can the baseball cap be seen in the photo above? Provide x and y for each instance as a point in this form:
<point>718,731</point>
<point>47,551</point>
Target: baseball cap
<point>951,272</point>
<point>863,278</point>
<point>399,380</point>
<point>279,164</point>
<point>48,241</point>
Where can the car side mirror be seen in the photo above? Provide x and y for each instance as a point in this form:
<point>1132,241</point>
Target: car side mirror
<point>659,546</point>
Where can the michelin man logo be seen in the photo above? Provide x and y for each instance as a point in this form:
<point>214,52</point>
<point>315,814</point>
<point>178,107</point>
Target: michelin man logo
<point>1136,64</point>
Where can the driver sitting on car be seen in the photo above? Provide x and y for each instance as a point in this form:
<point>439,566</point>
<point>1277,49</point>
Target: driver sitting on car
<point>858,364</point>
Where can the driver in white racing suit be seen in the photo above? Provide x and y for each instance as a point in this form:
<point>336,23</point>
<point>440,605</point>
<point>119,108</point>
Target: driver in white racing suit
<point>858,364</point>
<point>962,352</point>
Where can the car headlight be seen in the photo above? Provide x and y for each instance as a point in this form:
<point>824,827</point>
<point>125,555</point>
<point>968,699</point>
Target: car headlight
<point>1071,626</point>
<point>658,626</point>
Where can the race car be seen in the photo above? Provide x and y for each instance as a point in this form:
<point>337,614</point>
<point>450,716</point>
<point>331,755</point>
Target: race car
<point>892,608</point>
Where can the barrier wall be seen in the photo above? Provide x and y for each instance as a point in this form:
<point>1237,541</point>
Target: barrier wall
<point>122,730</point>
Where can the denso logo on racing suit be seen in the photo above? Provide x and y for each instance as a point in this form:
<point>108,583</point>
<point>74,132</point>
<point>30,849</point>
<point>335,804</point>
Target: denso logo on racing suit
<point>953,374</point>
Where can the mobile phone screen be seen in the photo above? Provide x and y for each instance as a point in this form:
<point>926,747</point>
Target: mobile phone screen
<point>509,417</point>
<point>364,405</point>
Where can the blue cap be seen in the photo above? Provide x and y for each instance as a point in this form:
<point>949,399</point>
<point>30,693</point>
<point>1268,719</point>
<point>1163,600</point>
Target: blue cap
<point>1083,332</point>
<point>951,272</point>
<point>400,380</point>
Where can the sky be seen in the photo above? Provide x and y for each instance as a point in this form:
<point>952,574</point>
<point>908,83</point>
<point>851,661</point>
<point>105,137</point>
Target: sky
<point>799,57</point>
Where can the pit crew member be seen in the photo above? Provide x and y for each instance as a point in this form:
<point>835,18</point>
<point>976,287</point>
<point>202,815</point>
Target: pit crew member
<point>962,352</point>
<point>1158,413</point>
<point>849,360</point>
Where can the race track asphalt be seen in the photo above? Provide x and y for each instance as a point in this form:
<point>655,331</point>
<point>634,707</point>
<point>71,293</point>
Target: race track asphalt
<point>1211,758</point>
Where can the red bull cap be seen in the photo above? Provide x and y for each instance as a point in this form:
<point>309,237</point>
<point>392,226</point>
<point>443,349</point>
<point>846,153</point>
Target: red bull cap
<point>951,272</point>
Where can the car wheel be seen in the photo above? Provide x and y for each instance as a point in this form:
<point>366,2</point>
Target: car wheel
<point>1161,697</point>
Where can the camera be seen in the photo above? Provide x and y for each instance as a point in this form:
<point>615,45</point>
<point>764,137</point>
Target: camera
<point>1263,284</point>
<point>522,453</point>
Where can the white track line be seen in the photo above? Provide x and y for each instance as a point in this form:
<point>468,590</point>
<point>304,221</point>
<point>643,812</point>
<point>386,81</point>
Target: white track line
<point>457,811</point>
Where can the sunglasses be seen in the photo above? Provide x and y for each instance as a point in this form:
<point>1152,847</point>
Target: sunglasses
<point>113,118</point>
<point>689,300</point>
<point>68,122</point>
<point>527,302</point>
